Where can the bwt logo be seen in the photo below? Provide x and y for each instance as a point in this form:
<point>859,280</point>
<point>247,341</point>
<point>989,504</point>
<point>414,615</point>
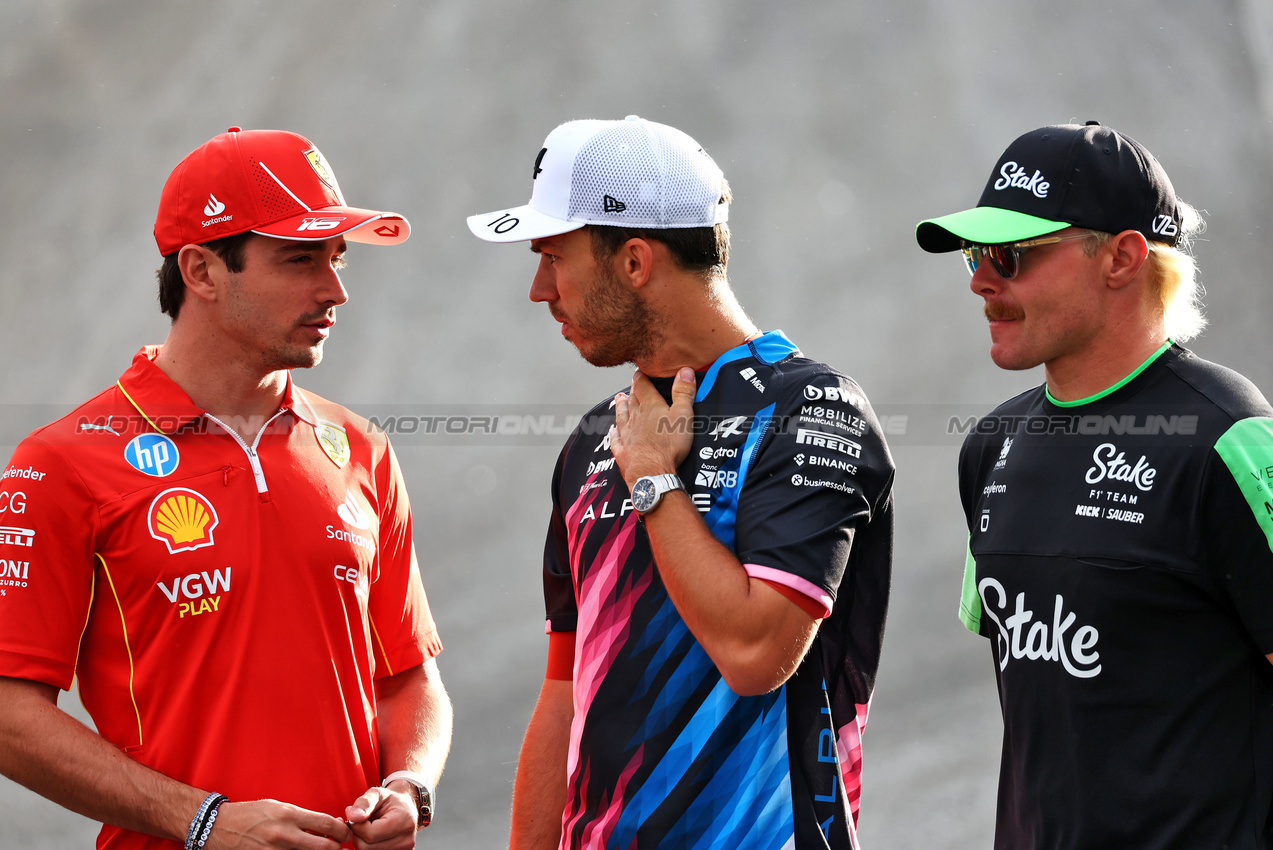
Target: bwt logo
<point>199,589</point>
<point>600,466</point>
<point>813,393</point>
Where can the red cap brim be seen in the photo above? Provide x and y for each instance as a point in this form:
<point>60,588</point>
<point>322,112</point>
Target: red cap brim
<point>356,225</point>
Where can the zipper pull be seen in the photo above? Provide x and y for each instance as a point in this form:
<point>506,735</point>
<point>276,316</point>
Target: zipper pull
<point>225,475</point>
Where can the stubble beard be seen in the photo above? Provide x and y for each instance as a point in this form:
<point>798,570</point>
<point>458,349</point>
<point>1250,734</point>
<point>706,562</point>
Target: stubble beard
<point>278,354</point>
<point>296,358</point>
<point>620,326</point>
<point>303,356</point>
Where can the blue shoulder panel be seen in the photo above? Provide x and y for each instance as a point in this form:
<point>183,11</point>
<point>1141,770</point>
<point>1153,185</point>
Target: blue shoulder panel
<point>768,348</point>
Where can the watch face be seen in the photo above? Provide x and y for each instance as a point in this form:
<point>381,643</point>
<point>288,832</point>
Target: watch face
<point>644,495</point>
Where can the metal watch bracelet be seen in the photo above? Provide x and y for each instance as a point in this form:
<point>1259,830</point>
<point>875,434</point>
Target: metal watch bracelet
<point>424,794</point>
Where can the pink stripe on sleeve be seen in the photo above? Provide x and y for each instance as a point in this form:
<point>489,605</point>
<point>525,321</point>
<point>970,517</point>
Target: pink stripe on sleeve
<point>786,579</point>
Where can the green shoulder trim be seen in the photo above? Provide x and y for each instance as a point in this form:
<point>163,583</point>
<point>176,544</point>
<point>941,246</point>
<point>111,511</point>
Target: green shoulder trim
<point>1141,368</point>
<point>1247,450</point>
<point>970,601</point>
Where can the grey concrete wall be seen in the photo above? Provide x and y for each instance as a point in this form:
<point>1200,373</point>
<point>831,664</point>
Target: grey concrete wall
<point>839,125</point>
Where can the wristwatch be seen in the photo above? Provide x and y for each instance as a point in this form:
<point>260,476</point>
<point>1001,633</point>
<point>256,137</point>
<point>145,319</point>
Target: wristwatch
<point>423,794</point>
<point>649,490</point>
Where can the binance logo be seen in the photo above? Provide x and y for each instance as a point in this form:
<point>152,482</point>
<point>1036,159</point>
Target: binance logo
<point>182,520</point>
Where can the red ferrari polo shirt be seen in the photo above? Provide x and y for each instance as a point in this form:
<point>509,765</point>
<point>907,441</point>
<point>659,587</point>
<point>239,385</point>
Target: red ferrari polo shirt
<point>226,606</point>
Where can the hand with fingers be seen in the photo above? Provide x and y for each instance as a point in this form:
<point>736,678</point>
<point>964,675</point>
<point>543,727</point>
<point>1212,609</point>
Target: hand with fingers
<point>272,824</point>
<point>383,819</point>
<point>650,437</point>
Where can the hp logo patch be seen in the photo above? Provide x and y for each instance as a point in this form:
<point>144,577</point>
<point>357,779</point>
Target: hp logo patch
<point>153,454</point>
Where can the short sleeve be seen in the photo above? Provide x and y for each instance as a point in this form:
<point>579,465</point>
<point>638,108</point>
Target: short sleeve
<point>402,623</point>
<point>48,523</point>
<point>822,472</point>
<point>1238,523</point>
<point>562,613</point>
<point>970,609</point>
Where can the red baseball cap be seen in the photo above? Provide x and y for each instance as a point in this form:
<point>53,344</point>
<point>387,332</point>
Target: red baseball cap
<point>270,182</point>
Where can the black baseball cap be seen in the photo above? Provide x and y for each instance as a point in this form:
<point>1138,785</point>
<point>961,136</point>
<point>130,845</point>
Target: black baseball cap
<point>1064,175</point>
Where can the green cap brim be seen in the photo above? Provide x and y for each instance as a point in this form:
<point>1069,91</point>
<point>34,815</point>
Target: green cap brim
<point>983,226</point>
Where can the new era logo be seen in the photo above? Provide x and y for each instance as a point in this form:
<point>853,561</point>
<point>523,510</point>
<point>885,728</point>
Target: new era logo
<point>213,207</point>
<point>613,205</point>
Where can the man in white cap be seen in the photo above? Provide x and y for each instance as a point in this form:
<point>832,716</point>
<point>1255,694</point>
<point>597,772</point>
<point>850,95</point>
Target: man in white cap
<point>224,562</point>
<point>717,565</point>
<point>1119,515</point>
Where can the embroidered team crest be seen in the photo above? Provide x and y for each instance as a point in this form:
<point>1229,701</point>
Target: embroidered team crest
<point>319,163</point>
<point>182,520</point>
<point>335,442</point>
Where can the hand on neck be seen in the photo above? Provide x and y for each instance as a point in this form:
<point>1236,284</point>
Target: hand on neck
<point>698,331</point>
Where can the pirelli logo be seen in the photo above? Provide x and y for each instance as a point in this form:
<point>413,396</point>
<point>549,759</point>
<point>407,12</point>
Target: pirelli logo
<point>10,536</point>
<point>823,440</point>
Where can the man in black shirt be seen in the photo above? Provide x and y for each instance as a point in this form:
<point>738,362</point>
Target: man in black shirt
<point>711,665</point>
<point>1120,518</point>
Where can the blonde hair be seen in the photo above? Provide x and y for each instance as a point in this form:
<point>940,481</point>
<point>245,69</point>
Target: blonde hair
<point>1174,274</point>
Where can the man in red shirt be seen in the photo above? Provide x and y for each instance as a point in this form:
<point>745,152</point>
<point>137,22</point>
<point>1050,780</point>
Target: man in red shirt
<point>224,561</point>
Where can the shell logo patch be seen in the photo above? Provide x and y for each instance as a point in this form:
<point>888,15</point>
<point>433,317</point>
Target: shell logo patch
<point>182,520</point>
<point>335,442</point>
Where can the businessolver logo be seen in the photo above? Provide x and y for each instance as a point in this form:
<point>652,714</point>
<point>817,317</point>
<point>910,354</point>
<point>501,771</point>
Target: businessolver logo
<point>182,520</point>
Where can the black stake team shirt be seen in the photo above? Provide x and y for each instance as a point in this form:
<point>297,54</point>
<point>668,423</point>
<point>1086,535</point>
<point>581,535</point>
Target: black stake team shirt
<point>791,472</point>
<point>1119,562</point>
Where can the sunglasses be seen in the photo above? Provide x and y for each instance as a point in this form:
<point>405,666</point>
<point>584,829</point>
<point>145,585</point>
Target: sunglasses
<point>1006,259</point>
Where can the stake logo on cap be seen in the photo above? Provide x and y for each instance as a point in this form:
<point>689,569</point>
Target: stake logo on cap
<point>629,173</point>
<point>270,182</point>
<point>1065,175</point>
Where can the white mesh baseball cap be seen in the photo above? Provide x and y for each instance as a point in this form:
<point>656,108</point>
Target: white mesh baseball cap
<point>629,173</point>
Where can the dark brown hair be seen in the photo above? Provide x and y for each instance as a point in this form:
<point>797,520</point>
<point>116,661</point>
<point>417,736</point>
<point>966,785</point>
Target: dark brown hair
<point>172,287</point>
<point>701,250</point>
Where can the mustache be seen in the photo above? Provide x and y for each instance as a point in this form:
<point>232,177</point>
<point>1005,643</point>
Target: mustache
<point>317,316</point>
<point>999,312</point>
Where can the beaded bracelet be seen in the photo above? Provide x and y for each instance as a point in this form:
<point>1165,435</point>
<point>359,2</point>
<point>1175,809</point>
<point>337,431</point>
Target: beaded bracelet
<point>201,826</point>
